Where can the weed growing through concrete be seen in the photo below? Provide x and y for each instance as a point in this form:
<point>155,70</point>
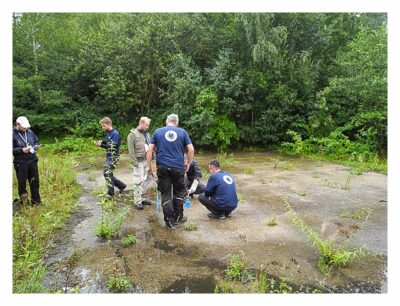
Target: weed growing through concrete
<point>118,282</point>
<point>68,266</point>
<point>238,278</point>
<point>241,236</point>
<point>338,185</point>
<point>240,198</point>
<point>236,268</point>
<point>272,222</point>
<point>191,227</point>
<point>249,170</point>
<point>110,223</point>
<point>358,214</point>
<point>283,164</point>
<point>129,240</point>
<point>118,285</point>
<point>331,256</point>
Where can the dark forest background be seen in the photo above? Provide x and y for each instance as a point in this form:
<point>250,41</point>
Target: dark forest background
<point>317,80</point>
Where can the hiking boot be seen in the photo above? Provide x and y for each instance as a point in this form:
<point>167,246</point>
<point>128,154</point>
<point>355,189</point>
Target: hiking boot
<point>181,219</point>
<point>170,225</point>
<point>227,214</point>
<point>34,203</point>
<point>147,202</point>
<point>121,190</point>
<point>139,206</point>
<point>215,216</point>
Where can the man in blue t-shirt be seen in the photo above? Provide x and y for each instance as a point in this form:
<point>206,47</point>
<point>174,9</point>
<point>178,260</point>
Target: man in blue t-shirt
<point>220,196</point>
<point>111,143</point>
<point>171,143</point>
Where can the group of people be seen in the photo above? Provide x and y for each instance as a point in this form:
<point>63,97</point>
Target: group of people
<point>177,175</point>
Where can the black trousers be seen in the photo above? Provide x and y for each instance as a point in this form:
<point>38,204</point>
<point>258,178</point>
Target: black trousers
<point>28,170</point>
<point>209,203</point>
<point>171,184</point>
<point>111,180</point>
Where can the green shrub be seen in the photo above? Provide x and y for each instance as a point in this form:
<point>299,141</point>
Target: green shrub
<point>358,153</point>
<point>72,144</point>
<point>110,223</point>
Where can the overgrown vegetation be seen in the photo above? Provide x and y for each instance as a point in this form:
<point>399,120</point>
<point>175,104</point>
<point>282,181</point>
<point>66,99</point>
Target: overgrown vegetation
<point>225,159</point>
<point>235,79</point>
<point>338,148</point>
<point>331,256</point>
<point>34,227</point>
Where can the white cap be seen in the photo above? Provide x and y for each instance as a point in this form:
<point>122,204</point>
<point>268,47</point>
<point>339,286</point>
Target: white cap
<point>23,122</point>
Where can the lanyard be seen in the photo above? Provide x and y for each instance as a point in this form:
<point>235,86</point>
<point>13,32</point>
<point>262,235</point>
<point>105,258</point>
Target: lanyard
<point>145,138</point>
<point>24,139</point>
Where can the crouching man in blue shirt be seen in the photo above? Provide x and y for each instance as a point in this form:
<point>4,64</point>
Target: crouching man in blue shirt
<point>220,196</point>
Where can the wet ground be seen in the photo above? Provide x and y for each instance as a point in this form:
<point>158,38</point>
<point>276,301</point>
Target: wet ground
<point>348,209</point>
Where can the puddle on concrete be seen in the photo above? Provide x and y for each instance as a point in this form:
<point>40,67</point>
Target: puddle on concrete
<point>192,261</point>
<point>199,285</point>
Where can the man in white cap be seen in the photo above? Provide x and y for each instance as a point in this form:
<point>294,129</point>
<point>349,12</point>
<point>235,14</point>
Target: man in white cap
<point>25,145</point>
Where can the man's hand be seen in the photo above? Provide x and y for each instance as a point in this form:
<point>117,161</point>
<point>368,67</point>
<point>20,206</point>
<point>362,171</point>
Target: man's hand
<point>26,149</point>
<point>190,191</point>
<point>148,170</point>
<point>187,166</point>
<point>97,143</point>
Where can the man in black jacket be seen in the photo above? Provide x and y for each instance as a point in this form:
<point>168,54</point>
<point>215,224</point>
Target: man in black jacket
<point>25,145</point>
<point>192,179</point>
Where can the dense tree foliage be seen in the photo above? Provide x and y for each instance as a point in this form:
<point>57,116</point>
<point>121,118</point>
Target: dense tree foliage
<point>233,78</point>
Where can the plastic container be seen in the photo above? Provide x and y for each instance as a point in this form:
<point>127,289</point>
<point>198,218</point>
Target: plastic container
<point>188,203</point>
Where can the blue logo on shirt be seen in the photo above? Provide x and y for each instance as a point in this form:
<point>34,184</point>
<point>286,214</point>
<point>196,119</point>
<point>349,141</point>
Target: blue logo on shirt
<point>171,136</point>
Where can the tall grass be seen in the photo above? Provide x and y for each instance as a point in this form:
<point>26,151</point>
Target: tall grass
<point>33,227</point>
